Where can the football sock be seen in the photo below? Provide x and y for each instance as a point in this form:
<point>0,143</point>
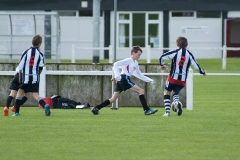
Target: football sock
<point>24,99</point>
<point>17,104</point>
<point>167,103</point>
<point>144,103</point>
<point>175,98</point>
<point>103,104</point>
<point>41,102</point>
<point>9,100</point>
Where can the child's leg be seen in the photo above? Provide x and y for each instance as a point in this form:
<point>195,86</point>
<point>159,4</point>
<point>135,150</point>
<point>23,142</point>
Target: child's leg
<point>167,103</point>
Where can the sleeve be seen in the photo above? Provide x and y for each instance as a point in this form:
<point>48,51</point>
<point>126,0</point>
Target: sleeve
<point>21,63</point>
<point>195,65</point>
<point>137,73</point>
<point>41,64</point>
<point>118,65</point>
<point>167,56</point>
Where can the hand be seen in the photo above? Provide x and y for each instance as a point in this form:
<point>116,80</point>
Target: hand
<point>153,85</point>
<point>118,78</point>
<point>205,73</point>
<point>163,67</point>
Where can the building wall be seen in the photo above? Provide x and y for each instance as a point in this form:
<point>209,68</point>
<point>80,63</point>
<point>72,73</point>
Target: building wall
<point>78,31</point>
<point>200,32</point>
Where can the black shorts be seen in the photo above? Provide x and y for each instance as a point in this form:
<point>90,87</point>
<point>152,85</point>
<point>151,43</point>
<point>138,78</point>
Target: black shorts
<point>30,87</point>
<point>124,84</point>
<point>14,84</point>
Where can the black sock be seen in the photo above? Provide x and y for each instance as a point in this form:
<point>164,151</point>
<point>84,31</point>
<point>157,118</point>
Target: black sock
<point>167,103</point>
<point>17,104</point>
<point>144,103</point>
<point>9,100</point>
<point>41,102</point>
<point>103,104</point>
<point>24,99</point>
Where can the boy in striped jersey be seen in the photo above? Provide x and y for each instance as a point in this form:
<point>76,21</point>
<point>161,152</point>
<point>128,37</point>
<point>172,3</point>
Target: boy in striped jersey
<point>30,67</point>
<point>129,67</point>
<point>181,61</point>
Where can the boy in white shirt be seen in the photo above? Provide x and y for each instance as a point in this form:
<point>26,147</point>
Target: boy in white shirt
<point>129,67</point>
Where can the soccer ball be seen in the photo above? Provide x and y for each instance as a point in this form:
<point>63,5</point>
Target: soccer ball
<point>174,106</point>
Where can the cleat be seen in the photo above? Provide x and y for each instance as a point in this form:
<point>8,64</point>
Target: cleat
<point>16,114</point>
<point>95,111</point>
<point>13,109</point>
<point>148,112</point>
<point>179,109</point>
<point>5,111</point>
<point>166,114</point>
<point>47,110</point>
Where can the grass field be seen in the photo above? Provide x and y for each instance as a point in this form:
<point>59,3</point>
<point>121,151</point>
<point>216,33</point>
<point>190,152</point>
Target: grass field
<point>210,131</point>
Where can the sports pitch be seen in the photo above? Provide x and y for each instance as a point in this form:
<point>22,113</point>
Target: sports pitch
<point>210,131</point>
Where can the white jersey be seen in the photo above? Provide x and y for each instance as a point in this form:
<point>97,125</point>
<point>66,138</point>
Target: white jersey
<point>29,65</point>
<point>181,61</point>
<point>129,67</point>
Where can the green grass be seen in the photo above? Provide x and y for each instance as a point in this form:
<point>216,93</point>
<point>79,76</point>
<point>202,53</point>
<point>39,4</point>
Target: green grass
<point>210,131</point>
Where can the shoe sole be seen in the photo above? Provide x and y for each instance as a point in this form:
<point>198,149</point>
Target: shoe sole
<point>179,110</point>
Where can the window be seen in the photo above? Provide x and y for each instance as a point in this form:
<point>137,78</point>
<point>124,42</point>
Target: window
<point>153,16</point>
<point>153,38</point>
<point>123,16</point>
<point>183,14</point>
<point>208,14</point>
<point>67,13</point>
<point>138,29</point>
<point>85,13</point>
<point>123,35</point>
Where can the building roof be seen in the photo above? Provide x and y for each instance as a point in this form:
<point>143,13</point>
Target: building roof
<point>122,5</point>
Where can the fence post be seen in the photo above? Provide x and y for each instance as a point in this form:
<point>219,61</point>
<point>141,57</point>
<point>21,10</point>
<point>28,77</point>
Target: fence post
<point>189,90</point>
<point>224,57</point>
<point>73,53</point>
<point>42,83</point>
<point>110,54</point>
<point>148,54</point>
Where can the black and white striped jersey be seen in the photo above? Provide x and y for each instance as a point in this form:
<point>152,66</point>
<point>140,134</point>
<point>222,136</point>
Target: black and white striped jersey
<point>29,65</point>
<point>181,61</point>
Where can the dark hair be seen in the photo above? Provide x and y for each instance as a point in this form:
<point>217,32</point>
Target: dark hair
<point>36,40</point>
<point>135,49</point>
<point>182,42</point>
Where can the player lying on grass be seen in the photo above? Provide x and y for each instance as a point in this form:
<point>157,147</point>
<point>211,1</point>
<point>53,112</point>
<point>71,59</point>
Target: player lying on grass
<point>129,67</point>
